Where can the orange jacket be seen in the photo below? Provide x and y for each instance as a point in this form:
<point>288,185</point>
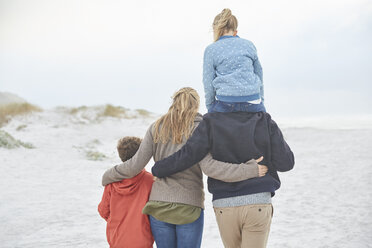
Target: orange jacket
<point>121,207</point>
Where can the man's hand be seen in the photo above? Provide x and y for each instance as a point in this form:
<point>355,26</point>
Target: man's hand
<point>262,169</point>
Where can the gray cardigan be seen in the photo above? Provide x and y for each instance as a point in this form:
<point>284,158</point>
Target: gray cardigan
<point>184,187</point>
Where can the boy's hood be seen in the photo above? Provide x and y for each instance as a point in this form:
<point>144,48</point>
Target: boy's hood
<point>129,185</point>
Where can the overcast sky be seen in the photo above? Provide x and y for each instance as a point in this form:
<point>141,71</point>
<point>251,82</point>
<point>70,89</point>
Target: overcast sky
<point>316,55</point>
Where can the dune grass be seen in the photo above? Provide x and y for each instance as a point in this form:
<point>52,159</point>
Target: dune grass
<point>9,142</point>
<point>143,112</point>
<point>107,110</point>
<point>114,111</point>
<point>95,155</point>
<point>13,109</point>
<point>21,127</point>
<point>77,109</point>
<point>100,112</point>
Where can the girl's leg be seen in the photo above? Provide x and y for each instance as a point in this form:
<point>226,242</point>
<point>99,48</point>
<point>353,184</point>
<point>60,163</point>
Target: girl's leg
<point>190,235</point>
<point>250,107</point>
<point>164,233</point>
<point>221,107</point>
<point>225,107</point>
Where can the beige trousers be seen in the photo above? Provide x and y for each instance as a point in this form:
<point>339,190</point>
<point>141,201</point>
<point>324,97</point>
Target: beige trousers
<point>244,226</point>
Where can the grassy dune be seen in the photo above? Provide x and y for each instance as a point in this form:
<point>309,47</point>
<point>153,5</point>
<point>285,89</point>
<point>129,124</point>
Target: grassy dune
<point>13,109</point>
<point>114,111</point>
<point>108,110</point>
<point>9,142</point>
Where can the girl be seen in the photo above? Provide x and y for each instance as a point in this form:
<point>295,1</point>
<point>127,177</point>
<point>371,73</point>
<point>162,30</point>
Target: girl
<point>232,72</point>
<point>176,203</point>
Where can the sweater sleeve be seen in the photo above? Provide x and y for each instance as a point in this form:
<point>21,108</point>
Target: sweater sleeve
<point>133,166</point>
<point>104,205</point>
<point>228,172</point>
<point>258,68</point>
<point>282,157</point>
<point>195,149</point>
<point>209,74</point>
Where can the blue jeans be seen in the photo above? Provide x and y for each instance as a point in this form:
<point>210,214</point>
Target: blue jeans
<point>224,107</point>
<point>168,235</point>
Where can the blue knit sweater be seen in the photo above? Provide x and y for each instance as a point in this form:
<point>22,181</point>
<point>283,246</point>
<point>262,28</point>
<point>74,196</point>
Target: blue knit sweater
<point>232,71</point>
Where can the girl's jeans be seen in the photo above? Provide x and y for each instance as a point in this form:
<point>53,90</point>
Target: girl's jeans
<point>168,235</point>
<point>224,107</point>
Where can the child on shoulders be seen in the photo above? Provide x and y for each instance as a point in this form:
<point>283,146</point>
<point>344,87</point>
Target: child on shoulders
<point>232,73</point>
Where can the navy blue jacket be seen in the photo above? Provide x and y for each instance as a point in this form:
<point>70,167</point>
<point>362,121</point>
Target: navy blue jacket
<point>235,138</point>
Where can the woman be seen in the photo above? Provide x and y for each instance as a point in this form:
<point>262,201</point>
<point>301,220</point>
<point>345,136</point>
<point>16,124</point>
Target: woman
<point>176,203</point>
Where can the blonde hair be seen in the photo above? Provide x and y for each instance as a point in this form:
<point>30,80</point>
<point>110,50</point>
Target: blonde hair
<point>178,122</point>
<point>224,22</point>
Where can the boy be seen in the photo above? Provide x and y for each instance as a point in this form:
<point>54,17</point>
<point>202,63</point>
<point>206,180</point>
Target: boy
<point>122,204</point>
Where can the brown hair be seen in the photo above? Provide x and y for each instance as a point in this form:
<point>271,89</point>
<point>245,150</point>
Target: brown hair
<point>127,147</point>
<point>224,22</point>
<point>179,120</point>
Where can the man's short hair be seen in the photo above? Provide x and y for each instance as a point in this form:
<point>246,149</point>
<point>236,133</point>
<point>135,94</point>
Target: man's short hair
<point>127,147</point>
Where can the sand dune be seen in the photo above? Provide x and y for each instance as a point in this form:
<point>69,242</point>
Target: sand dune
<point>6,98</point>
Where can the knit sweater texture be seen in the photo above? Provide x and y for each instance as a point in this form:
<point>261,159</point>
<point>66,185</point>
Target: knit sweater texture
<point>185,187</point>
<point>232,71</point>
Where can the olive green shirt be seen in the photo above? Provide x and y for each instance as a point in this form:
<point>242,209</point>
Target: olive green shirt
<point>173,213</point>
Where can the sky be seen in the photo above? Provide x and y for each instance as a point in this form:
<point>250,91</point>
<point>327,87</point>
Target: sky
<point>316,55</point>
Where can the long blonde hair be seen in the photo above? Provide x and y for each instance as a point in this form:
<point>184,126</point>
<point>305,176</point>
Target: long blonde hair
<point>178,122</point>
<point>224,22</point>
